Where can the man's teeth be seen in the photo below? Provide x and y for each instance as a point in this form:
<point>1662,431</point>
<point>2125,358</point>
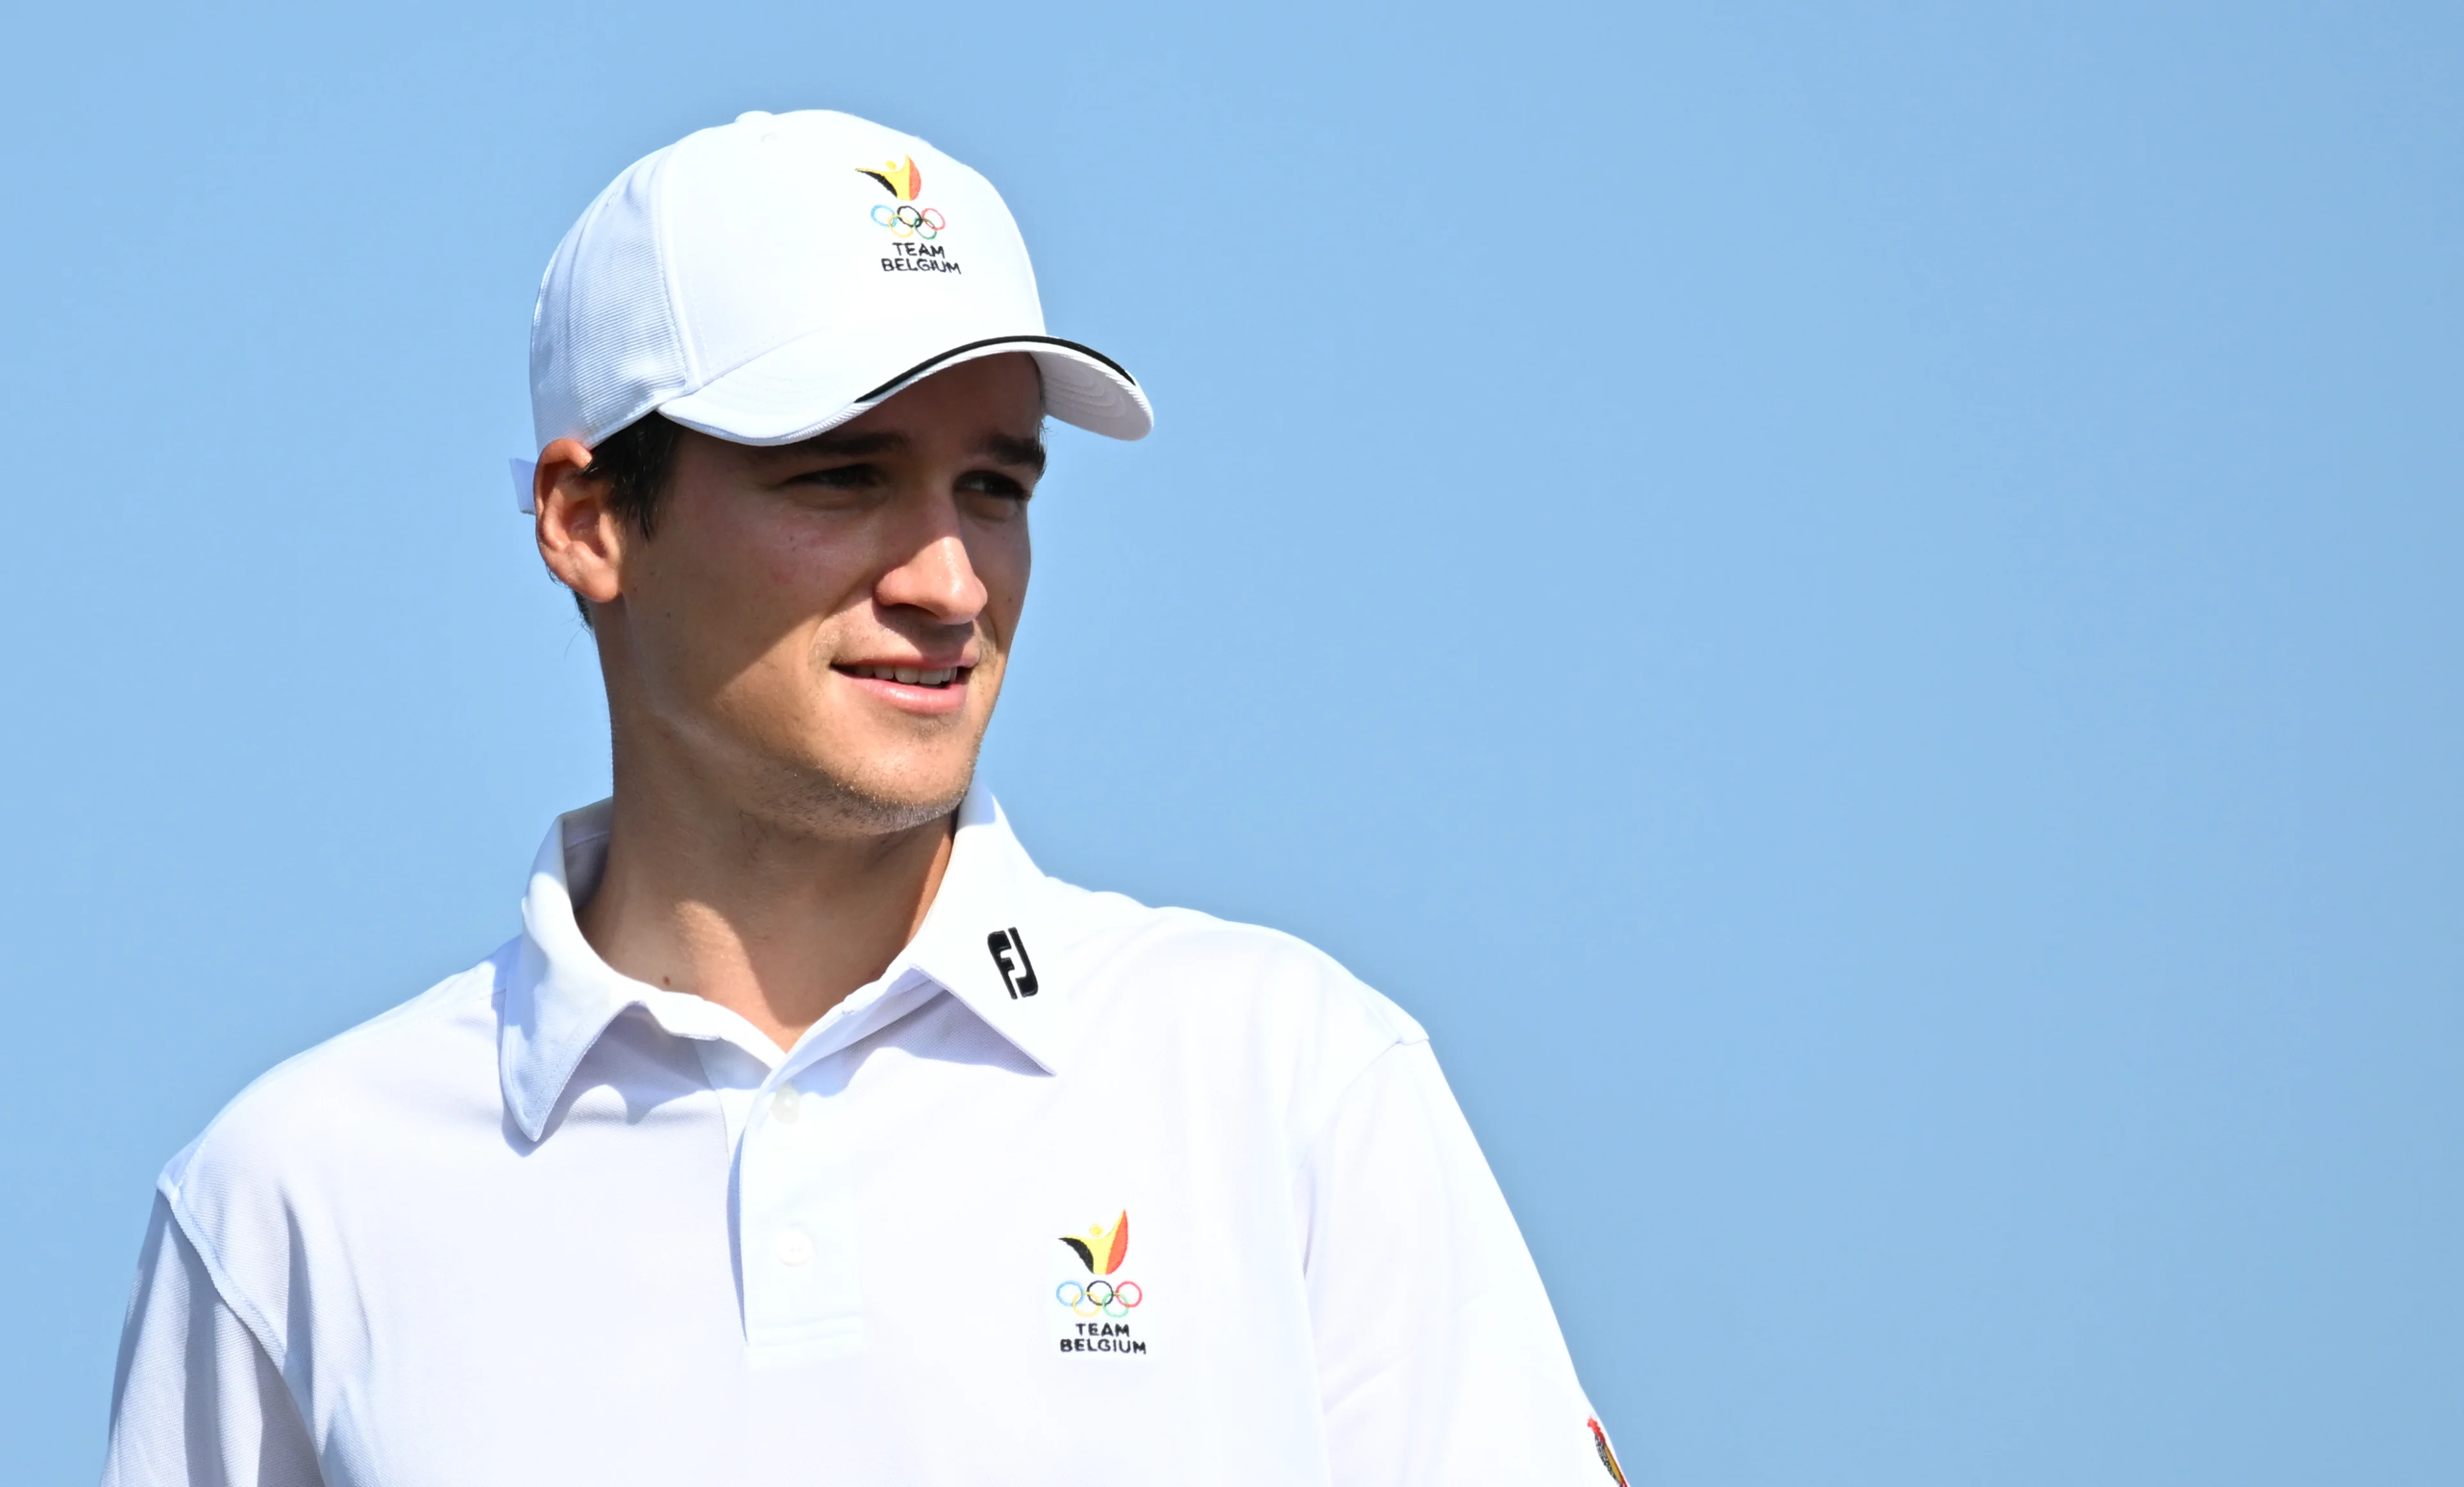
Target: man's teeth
<point>913,677</point>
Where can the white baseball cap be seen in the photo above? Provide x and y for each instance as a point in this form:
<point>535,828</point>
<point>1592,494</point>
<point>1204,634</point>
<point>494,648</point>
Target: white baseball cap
<point>768,280</point>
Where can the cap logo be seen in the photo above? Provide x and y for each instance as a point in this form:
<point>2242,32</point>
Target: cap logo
<point>898,177</point>
<point>911,228</point>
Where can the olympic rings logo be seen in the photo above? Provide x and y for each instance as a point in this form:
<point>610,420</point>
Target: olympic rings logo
<point>1116,1301</point>
<point>905,220</point>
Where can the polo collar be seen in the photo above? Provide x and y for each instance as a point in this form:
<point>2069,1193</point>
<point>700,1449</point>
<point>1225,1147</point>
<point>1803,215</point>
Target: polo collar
<point>978,943</point>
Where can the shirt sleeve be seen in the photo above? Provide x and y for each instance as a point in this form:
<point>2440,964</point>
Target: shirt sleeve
<point>198,1401</point>
<point>1439,1357</point>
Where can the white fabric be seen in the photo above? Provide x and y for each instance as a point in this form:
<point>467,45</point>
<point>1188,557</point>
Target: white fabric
<point>545,1224</point>
<point>764,281</point>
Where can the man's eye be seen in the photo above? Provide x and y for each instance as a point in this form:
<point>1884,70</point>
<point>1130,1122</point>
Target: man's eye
<point>838,478</point>
<point>992,483</point>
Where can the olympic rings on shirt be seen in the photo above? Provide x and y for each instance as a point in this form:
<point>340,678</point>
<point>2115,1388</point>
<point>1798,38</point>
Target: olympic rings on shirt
<point>908,221</point>
<point>1116,1301</point>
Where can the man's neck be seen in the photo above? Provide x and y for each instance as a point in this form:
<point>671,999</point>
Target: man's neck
<point>775,926</point>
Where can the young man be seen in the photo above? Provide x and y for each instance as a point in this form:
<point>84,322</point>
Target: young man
<point>807,1133</point>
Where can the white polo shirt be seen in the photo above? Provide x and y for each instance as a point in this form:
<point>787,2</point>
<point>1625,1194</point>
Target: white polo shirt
<point>1078,1191</point>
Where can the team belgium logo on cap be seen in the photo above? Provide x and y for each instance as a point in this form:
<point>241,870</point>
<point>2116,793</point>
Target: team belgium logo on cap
<point>898,177</point>
<point>1103,1301</point>
<point>912,227</point>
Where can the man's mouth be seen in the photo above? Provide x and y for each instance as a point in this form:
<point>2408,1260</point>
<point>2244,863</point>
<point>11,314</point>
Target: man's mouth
<point>909,676</point>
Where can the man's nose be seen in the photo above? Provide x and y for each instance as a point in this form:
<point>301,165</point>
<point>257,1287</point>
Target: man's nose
<point>938,578</point>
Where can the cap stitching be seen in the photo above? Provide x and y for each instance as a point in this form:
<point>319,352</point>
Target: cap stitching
<point>679,323</point>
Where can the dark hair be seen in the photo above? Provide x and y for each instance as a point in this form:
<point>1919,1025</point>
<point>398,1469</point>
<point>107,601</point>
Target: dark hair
<point>635,461</point>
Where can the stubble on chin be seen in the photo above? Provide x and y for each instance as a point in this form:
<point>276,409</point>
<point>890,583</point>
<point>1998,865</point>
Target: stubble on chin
<point>867,797</point>
<point>818,802</point>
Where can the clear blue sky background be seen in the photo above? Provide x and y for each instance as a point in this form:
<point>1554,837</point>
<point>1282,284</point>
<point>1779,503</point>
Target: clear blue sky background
<point>1857,605</point>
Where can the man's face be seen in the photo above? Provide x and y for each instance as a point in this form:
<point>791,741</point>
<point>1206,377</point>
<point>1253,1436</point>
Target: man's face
<point>820,630</point>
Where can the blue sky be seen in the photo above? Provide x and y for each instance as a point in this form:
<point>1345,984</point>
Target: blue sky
<point>1857,607</point>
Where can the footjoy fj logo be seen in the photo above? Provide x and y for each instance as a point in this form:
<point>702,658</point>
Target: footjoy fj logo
<point>911,228</point>
<point>1103,1301</point>
<point>1009,955</point>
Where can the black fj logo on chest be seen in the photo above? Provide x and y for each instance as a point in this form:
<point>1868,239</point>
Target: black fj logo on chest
<point>1009,953</point>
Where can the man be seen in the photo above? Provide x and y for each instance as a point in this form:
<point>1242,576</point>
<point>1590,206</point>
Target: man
<point>807,1133</point>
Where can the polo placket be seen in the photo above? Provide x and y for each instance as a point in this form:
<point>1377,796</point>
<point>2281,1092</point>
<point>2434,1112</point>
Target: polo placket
<point>796,1223</point>
<point>792,1183</point>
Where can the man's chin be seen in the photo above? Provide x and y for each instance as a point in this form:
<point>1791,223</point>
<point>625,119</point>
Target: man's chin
<point>876,794</point>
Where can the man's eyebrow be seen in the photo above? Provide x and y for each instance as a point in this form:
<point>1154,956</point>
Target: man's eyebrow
<point>1011,449</point>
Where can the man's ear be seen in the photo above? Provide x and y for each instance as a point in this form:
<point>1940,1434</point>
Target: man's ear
<point>581,538</point>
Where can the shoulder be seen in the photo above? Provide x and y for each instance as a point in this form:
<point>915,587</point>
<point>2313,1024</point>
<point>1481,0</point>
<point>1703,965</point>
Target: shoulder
<point>1245,968</point>
<point>406,1053</point>
<point>1252,1003</point>
<point>263,1170</point>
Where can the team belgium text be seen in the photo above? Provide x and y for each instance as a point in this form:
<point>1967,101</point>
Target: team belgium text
<point>920,258</point>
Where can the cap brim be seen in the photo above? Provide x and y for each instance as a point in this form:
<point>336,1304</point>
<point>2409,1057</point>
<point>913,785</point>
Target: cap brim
<point>812,386</point>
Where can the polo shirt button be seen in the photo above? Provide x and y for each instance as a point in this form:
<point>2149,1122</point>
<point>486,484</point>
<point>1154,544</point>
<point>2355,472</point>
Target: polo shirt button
<point>795,1247</point>
<point>786,1102</point>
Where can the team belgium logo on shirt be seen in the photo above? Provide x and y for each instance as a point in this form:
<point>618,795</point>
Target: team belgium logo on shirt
<point>911,228</point>
<point>1103,1301</point>
<point>1608,1457</point>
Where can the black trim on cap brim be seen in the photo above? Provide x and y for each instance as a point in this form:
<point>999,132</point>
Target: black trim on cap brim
<point>926,366</point>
